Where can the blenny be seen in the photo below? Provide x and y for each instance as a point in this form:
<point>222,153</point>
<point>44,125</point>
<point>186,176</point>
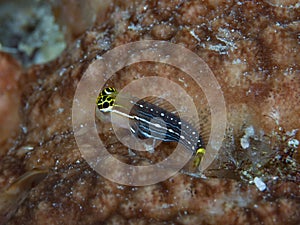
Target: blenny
<point>144,123</point>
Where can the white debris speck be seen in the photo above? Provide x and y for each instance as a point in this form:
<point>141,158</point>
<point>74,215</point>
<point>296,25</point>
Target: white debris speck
<point>99,57</point>
<point>192,32</point>
<point>183,81</point>
<point>24,129</point>
<point>120,187</point>
<point>222,49</point>
<point>259,184</point>
<point>60,110</point>
<point>166,206</point>
<point>245,143</point>
<point>292,133</point>
<point>28,148</point>
<point>135,27</point>
<point>293,143</point>
<point>249,132</point>
<point>131,153</point>
<point>236,61</point>
<point>62,71</point>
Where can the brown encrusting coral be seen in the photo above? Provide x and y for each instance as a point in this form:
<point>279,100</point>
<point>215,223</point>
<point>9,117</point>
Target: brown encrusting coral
<point>253,49</point>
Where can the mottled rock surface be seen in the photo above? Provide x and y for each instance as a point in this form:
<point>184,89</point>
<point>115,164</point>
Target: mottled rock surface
<point>253,49</point>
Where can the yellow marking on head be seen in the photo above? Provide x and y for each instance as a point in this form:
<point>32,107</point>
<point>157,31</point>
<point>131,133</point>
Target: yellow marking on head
<point>199,155</point>
<point>106,99</point>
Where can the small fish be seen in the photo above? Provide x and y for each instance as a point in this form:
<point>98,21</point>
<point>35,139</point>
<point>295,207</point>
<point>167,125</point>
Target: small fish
<point>148,120</point>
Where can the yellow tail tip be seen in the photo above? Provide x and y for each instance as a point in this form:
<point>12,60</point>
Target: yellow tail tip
<point>200,151</point>
<point>199,154</point>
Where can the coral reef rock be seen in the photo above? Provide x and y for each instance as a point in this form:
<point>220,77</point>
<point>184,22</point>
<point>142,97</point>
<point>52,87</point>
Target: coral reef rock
<point>252,47</point>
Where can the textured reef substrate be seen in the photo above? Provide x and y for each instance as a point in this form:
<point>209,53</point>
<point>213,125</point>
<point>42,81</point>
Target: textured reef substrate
<point>252,47</point>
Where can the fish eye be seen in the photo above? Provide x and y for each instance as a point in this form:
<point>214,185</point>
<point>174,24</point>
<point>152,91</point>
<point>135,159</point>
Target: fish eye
<point>105,105</point>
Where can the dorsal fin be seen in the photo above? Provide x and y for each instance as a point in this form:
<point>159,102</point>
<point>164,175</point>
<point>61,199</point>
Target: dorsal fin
<point>160,102</point>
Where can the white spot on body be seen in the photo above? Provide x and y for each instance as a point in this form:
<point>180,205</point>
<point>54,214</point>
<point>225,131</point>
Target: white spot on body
<point>157,125</point>
<point>132,130</point>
